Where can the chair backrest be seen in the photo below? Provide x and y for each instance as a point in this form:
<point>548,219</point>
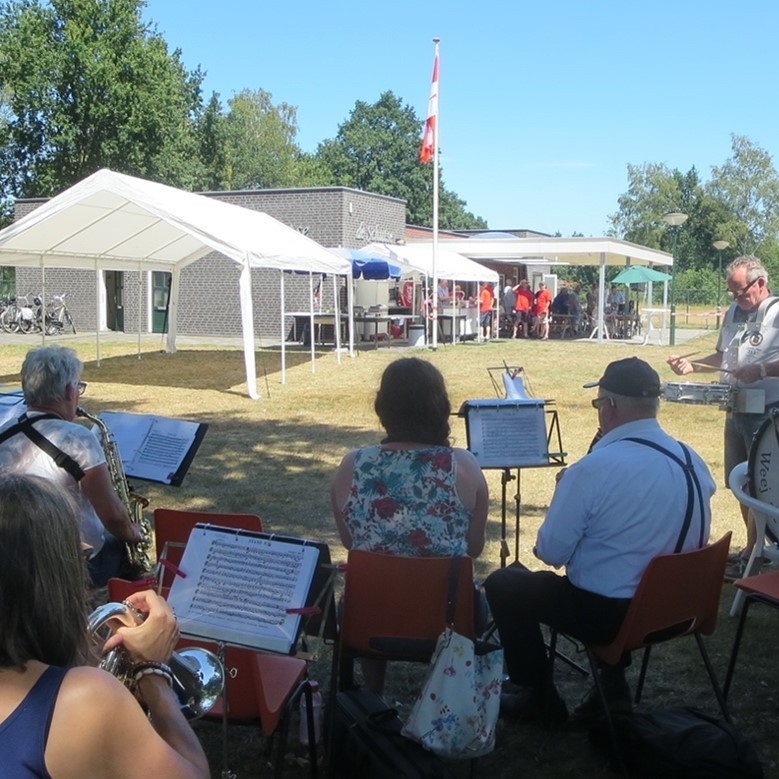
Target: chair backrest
<point>388,597</point>
<point>174,526</point>
<point>678,594</point>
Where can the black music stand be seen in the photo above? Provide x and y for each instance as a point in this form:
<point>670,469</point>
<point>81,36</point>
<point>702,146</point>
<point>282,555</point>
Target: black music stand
<point>512,433</point>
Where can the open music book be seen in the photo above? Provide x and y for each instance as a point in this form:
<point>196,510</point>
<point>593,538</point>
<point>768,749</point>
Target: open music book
<point>243,588</point>
<point>506,433</point>
<point>155,448</point>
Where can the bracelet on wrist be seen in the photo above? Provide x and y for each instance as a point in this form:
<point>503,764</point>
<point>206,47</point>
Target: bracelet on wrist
<point>152,668</point>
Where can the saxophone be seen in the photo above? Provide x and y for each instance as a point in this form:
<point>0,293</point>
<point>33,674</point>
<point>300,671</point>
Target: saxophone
<point>137,551</point>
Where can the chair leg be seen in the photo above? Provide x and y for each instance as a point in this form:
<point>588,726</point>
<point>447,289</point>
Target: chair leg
<point>736,644</point>
<point>616,751</point>
<point>713,677</point>
<point>642,673</point>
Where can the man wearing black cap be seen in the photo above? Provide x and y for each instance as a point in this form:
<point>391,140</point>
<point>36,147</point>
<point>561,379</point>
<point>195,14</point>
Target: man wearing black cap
<point>619,506</point>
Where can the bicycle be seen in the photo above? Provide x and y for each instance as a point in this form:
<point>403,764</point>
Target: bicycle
<point>57,315</point>
<point>18,316</point>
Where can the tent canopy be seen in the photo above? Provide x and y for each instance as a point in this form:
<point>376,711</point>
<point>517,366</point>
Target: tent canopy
<point>110,221</point>
<point>419,258</point>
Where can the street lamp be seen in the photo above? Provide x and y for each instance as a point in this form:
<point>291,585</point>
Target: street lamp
<point>674,219</point>
<point>719,246</point>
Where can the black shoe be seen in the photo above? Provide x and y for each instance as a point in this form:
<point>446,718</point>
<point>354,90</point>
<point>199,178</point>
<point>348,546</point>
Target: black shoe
<point>617,694</point>
<point>532,705</point>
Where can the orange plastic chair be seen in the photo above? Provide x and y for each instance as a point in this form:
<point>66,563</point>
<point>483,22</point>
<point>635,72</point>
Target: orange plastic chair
<point>678,595</point>
<point>394,608</point>
<point>763,588</point>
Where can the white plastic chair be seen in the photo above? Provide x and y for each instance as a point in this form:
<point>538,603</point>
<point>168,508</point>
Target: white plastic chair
<point>766,517</point>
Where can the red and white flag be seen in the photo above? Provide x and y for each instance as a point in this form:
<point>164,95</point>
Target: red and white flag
<point>427,149</point>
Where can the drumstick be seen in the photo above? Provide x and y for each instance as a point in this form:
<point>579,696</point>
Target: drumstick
<point>706,365</point>
<point>687,356</point>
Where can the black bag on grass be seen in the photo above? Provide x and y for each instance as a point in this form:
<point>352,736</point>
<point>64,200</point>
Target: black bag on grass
<point>366,742</point>
<point>682,742</point>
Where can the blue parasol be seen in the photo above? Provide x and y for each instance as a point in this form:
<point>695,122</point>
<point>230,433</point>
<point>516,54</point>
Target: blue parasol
<point>369,266</point>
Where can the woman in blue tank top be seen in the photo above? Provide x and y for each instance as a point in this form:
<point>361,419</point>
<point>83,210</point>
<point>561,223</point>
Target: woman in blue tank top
<point>60,719</point>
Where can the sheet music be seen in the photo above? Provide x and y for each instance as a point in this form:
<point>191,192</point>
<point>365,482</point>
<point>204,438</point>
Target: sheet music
<point>239,587</point>
<point>506,433</point>
<point>12,405</point>
<point>152,447</point>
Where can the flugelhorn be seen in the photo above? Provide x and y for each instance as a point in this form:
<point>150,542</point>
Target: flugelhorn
<point>198,675</point>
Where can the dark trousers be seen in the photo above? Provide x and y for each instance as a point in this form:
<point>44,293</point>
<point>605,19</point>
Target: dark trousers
<point>109,561</point>
<point>522,600</point>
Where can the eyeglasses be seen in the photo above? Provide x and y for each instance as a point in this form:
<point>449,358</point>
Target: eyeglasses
<point>81,386</point>
<point>737,293</point>
<point>596,402</point>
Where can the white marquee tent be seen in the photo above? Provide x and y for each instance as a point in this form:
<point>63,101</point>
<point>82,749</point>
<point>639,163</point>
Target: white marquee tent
<point>110,221</point>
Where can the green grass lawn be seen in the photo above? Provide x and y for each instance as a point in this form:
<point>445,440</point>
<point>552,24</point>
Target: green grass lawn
<point>275,457</point>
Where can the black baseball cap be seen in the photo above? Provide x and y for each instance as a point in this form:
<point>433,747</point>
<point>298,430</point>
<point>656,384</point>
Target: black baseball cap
<point>631,377</point>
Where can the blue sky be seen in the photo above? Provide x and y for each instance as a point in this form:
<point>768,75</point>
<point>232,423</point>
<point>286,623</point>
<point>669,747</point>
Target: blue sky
<point>542,104</point>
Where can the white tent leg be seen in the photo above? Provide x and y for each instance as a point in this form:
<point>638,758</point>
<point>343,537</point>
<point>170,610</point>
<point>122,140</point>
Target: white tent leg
<point>337,309</point>
<point>283,334</point>
<point>247,324</point>
<point>98,277</point>
<point>311,320</point>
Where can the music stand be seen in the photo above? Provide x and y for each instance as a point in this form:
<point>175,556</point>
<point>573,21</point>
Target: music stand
<point>512,433</point>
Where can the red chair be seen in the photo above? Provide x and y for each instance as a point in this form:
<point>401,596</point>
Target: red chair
<point>763,588</point>
<point>678,595</point>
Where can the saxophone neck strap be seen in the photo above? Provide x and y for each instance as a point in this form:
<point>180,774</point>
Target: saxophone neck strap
<point>63,460</point>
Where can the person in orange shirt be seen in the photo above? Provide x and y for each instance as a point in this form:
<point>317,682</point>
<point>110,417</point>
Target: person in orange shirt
<point>522,306</point>
<point>543,303</point>
<point>486,298</point>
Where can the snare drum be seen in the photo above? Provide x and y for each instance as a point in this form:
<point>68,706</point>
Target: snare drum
<point>698,393</point>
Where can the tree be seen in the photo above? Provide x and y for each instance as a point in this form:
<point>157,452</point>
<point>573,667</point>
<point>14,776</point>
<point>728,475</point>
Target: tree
<point>87,84</point>
<point>748,185</point>
<point>376,150</point>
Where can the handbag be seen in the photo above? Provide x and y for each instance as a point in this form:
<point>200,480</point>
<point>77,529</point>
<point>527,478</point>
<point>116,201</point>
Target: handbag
<point>456,711</point>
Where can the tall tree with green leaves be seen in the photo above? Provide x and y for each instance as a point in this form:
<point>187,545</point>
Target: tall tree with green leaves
<point>87,84</point>
<point>747,183</point>
<point>376,150</point>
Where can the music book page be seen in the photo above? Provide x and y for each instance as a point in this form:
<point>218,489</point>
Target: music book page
<point>155,448</point>
<point>508,433</point>
<point>239,588</point>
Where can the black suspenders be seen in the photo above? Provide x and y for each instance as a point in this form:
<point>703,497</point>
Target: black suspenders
<point>62,459</point>
<point>693,487</point>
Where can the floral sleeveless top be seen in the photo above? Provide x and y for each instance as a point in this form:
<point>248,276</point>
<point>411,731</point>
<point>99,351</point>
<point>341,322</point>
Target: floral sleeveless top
<point>404,502</point>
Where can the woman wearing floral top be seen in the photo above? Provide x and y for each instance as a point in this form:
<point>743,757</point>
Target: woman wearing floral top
<point>413,494</point>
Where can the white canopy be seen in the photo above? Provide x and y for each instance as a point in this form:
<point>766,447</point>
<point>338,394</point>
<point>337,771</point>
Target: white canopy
<point>419,258</point>
<point>559,251</point>
<point>110,221</point>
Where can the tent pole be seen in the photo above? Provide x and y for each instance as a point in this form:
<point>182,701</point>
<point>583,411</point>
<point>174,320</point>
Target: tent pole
<point>43,302</point>
<point>350,308</point>
<point>601,295</point>
<point>247,325</point>
<point>97,313</point>
<point>141,305</point>
<point>311,320</point>
<point>337,309</point>
<point>173,310</point>
<point>283,334</point>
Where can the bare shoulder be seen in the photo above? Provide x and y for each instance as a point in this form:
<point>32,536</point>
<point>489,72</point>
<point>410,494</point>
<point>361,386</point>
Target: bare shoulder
<point>465,459</point>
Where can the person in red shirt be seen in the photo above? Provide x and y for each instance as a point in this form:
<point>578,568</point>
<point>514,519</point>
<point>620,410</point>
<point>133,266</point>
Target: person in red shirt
<point>522,306</point>
<point>486,298</point>
<point>543,303</point>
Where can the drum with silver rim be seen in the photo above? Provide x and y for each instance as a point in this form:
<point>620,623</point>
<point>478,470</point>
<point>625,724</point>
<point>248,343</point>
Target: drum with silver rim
<point>699,393</point>
<point>763,462</point>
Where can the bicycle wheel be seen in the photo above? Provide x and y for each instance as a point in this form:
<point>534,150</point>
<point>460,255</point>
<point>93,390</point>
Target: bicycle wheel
<point>28,325</point>
<point>8,320</point>
<point>52,326</point>
<point>69,320</point>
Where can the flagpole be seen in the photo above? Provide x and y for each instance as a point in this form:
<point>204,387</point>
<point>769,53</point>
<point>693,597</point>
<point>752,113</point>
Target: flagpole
<point>435,203</point>
<point>427,151</point>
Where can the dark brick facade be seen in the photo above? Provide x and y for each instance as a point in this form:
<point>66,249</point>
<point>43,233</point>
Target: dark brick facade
<point>209,301</point>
